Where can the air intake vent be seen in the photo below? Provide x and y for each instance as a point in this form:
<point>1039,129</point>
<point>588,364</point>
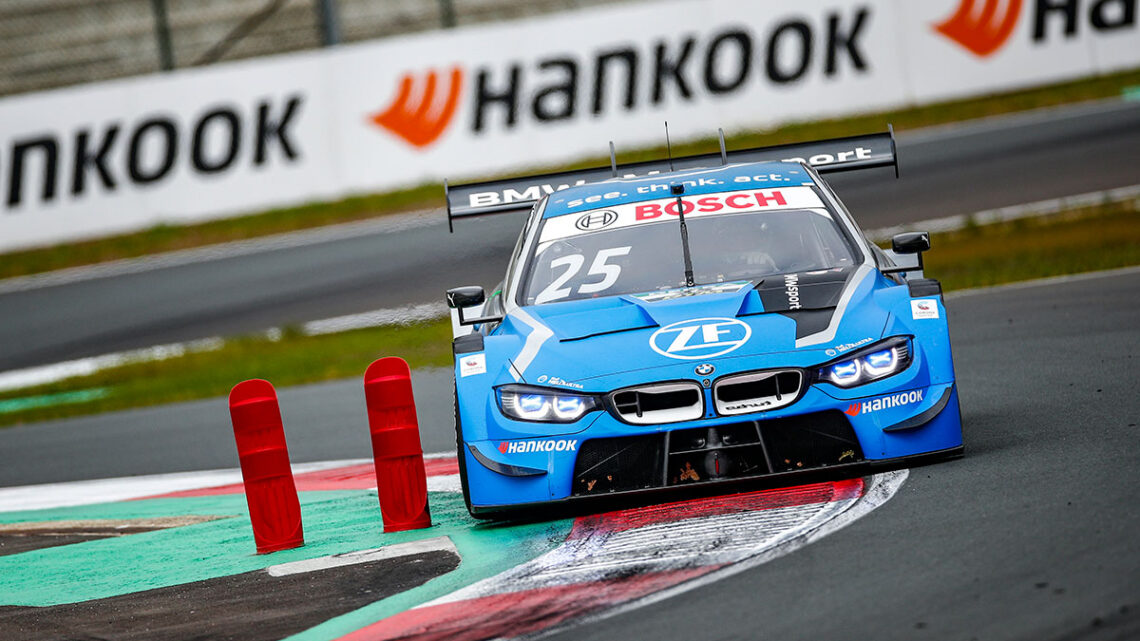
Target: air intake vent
<point>660,403</point>
<point>757,391</point>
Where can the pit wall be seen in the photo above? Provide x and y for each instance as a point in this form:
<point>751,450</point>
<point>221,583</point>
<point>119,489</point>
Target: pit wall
<point>105,158</point>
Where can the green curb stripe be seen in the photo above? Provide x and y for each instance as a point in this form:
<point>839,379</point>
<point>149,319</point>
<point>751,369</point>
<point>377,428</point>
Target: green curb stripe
<point>485,550</point>
<point>335,522</point>
<point>46,400</point>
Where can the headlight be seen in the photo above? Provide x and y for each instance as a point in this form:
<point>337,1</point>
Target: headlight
<point>871,364</point>
<point>544,405</point>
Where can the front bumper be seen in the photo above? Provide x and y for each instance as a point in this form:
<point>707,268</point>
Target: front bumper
<point>612,458</point>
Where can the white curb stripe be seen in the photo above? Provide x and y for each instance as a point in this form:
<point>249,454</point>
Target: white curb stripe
<point>438,544</point>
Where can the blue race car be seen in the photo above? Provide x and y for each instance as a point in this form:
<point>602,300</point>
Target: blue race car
<point>698,320</point>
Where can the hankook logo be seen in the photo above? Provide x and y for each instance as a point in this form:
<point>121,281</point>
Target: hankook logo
<point>628,76</point>
<point>418,114</point>
<point>983,27</point>
<point>700,338</point>
<point>982,30</point>
<point>596,220</point>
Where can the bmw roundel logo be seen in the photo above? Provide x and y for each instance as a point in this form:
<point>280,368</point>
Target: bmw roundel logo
<point>704,369</point>
<point>700,338</point>
<point>596,220</point>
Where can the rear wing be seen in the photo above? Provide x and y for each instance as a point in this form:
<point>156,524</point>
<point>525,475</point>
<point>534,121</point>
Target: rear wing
<point>516,194</point>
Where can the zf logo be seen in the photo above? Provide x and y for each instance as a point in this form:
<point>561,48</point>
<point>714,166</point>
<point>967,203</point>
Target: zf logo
<point>700,338</point>
<point>596,220</point>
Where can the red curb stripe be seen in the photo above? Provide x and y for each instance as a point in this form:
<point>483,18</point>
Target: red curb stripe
<point>353,477</point>
<point>517,613</point>
<point>622,520</point>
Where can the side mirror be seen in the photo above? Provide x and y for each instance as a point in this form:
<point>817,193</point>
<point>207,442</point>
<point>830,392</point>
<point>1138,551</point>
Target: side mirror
<point>914,242</point>
<point>469,296</point>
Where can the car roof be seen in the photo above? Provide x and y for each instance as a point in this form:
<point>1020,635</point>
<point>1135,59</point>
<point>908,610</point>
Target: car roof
<point>574,200</point>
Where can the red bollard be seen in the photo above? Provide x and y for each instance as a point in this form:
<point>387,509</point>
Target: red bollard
<point>274,510</point>
<point>400,478</point>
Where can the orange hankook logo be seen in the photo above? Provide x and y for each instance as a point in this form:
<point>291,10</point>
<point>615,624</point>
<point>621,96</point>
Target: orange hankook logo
<point>982,26</point>
<point>421,117</point>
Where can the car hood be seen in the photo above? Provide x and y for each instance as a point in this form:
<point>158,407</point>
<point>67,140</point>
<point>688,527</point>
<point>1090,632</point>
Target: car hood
<point>794,319</point>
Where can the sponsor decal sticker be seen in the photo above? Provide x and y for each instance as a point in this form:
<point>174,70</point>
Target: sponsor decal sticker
<point>748,405</point>
<point>924,308</point>
<point>700,338</point>
<point>595,220</point>
<point>792,288</point>
<point>901,399</point>
<point>620,216</point>
<point>846,347</point>
<point>556,380</point>
<point>551,445</point>
<point>472,364</point>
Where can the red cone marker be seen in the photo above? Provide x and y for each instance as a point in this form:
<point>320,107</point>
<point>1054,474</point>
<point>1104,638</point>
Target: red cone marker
<point>274,510</point>
<point>400,477</point>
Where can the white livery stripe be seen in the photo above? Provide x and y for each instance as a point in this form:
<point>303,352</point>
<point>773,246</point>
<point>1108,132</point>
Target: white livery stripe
<point>540,334</point>
<point>828,334</point>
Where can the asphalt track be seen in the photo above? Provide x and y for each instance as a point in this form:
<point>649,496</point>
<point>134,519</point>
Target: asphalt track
<point>950,170</point>
<point>1032,535</point>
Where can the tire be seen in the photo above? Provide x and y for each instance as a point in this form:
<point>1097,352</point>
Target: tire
<point>460,455</point>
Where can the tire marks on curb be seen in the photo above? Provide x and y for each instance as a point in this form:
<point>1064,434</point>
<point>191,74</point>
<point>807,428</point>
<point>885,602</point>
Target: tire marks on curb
<point>620,561</point>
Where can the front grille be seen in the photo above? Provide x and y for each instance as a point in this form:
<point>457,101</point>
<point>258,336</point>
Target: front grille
<point>621,464</point>
<point>757,391</point>
<point>811,440</point>
<point>698,455</point>
<point>659,403</point>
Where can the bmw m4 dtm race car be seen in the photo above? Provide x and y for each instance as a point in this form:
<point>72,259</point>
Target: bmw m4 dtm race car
<point>697,320</point>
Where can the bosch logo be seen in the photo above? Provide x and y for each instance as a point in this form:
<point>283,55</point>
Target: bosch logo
<point>700,338</point>
<point>596,220</point>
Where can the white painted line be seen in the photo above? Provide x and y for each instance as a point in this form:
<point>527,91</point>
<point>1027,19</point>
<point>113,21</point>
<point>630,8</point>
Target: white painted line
<point>1014,212</point>
<point>71,493</point>
<point>1041,282</point>
<point>376,318</point>
<point>381,225</point>
<point>1014,120</point>
<point>438,544</point>
<point>68,494</point>
<point>54,372</point>
<point>43,374</point>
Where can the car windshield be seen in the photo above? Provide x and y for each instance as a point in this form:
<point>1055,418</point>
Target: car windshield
<point>646,255</point>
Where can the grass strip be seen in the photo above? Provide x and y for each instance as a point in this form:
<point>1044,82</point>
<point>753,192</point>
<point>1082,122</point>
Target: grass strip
<point>1090,239</point>
<point>1094,238</point>
<point>292,359</point>
<point>168,237</point>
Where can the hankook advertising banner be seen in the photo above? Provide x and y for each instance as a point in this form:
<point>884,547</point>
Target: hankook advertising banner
<point>516,96</point>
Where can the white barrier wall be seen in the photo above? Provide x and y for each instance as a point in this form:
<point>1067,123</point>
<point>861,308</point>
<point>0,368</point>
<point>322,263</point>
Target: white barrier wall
<point>199,144</point>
